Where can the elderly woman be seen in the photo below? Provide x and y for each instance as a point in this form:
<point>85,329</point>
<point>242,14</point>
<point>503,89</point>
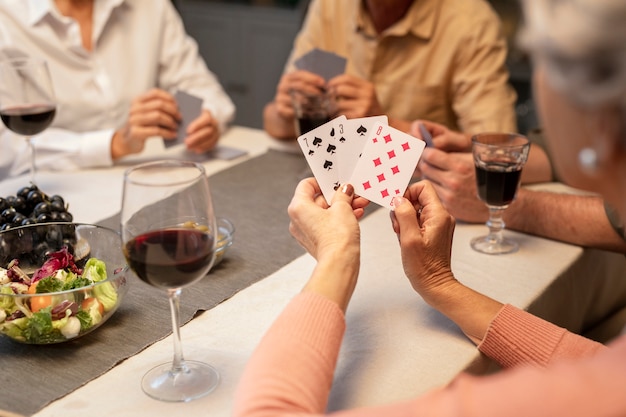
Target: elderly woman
<point>580,55</point>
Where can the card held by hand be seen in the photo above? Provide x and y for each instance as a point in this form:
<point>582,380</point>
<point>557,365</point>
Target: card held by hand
<point>386,165</point>
<point>190,108</point>
<point>377,159</point>
<point>320,150</point>
<point>323,63</point>
<point>352,136</point>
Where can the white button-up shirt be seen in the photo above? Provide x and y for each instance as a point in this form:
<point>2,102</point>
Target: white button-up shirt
<point>137,45</point>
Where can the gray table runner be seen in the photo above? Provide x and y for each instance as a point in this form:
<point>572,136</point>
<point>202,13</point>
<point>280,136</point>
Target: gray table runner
<point>254,195</point>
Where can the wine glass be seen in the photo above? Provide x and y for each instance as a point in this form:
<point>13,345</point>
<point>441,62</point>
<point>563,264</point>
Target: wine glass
<point>27,102</point>
<point>169,233</point>
<point>311,110</point>
<point>498,159</point>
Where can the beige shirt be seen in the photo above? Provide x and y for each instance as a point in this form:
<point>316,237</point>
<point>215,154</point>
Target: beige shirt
<point>444,61</point>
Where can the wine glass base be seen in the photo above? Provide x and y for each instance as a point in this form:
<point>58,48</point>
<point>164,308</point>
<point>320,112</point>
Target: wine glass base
<point>195,380</point>
<point>490,246</point>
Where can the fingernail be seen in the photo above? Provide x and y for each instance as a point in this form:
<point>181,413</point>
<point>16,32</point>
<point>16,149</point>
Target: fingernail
<point>397,201</point>
<point>348,189</point>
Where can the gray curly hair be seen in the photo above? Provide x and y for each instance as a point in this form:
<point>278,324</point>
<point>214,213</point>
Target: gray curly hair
<point>582,46</point>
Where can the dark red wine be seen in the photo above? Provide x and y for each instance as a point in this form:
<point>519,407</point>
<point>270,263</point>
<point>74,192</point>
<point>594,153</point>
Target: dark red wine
<point>170,258</point>
<point>310,123</point>
<point>28,120</point>
<point>496,185</point>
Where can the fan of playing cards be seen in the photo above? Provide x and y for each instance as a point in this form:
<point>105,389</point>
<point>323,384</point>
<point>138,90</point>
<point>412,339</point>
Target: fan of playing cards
<point>377,159</point>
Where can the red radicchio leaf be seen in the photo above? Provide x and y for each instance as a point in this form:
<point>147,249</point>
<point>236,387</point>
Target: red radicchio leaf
<point>61,259</point>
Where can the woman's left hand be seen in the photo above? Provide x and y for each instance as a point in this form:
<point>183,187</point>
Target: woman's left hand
<point>332,235</point>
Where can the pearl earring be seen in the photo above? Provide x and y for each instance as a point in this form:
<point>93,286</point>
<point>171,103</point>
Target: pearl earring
<point>588,160</point>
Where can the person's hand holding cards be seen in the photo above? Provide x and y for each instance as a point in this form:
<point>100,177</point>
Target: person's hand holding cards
<point>154,113</point>
<point>312,106</point>
<point>353,97</point>
<point>305,85</point>
<point>299,80</point>
<point>377,159</point>
<point>197,129</point>
<point>326,64</point>
<point>349,95</point>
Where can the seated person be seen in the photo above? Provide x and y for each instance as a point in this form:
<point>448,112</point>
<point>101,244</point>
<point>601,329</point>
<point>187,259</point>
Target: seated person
<point>442,61</point>
<point>558,216</point>
<point>437,60</point>
<point>114,66</point>
<point>554,374</point>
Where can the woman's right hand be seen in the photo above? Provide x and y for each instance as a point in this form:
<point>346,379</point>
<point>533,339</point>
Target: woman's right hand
<point>425,231</point>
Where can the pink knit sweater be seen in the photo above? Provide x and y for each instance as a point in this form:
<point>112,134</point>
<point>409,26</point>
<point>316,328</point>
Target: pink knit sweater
<point>291,372</point>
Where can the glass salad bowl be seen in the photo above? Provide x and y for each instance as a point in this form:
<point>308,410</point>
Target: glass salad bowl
<point>59,281</point>
<point>225,238</point>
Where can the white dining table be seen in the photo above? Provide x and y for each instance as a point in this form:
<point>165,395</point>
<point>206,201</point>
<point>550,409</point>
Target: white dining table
<point>396,346</point>
<point>83,187</point>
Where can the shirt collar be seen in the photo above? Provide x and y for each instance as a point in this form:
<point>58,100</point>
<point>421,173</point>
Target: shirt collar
<point>38,9</point>
<point>419,20</point>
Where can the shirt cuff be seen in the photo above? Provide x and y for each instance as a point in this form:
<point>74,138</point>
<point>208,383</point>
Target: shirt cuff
<point>96,152</point>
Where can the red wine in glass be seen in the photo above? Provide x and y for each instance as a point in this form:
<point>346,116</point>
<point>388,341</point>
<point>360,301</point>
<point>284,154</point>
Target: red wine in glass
<point>28,120</point>
<point>497,184</point>
<point>170,258</point>
<point>27,101</point>
<point>311,110</point>
<point>498,159</point>
<point>306,124</point>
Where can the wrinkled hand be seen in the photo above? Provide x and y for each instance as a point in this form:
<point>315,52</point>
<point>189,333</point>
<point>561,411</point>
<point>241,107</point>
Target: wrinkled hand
<point>326,230</point>
<point>425,231</point>
<point>300,80</point>
<point>202,133</point>
<point>449,166</point>
<point>353,97</point>
<point>454,178</point>
<point>154,113</point>
<point>443,138</point>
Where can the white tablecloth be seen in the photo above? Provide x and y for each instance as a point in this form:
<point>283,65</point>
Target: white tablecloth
<point>396,346</point>
<point>95,194</point>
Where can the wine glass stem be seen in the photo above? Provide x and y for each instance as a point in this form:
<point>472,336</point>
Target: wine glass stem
<point>178,365</point>
<point>33,169</point>
<point>495,224</point>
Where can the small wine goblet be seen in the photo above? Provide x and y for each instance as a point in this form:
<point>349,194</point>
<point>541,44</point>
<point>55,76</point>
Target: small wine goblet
<point>498,160</point>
